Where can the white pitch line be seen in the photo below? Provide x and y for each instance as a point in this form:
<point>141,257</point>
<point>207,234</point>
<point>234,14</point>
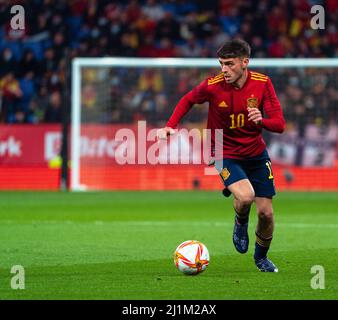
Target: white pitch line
<point>153,223</point>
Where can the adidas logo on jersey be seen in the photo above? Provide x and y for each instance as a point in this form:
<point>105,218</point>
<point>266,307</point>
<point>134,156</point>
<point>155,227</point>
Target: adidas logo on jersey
<point>223,104</point>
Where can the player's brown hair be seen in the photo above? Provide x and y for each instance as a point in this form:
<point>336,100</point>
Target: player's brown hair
<point>236,48</point>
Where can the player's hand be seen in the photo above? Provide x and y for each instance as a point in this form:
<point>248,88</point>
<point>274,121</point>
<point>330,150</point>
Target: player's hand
<point>163,133</point>
<point>255,115</point>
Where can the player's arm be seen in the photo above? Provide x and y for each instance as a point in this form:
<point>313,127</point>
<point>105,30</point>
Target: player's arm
<point>198,95</point>
<point>274,120</point>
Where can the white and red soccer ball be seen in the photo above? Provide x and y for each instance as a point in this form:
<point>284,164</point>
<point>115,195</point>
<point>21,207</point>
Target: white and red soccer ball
<point>191,257</point>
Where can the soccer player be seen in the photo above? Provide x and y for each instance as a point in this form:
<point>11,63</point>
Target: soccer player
<point>242,103</point>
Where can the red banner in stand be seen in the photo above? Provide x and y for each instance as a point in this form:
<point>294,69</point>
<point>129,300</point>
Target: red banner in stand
<point>29,145</point>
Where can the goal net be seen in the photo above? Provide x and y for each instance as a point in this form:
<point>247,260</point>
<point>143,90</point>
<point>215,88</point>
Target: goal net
<point>118,103</point>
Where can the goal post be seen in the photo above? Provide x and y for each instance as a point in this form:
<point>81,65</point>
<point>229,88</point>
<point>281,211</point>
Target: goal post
<point>94,79</point>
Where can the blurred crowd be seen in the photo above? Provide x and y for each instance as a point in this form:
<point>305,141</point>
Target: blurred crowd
<point>308,96</point>
<point>34,62</point>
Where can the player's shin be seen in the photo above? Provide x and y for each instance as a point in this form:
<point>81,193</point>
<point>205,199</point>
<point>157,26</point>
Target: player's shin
<point>242,211</point>
<point>262,246</point>
<point>264,233</point>
<point>242,217</point>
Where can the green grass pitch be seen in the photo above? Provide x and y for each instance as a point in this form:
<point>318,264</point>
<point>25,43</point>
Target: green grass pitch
<point>119,245</point>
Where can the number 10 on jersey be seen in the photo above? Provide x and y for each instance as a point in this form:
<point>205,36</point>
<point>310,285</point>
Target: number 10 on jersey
<point>237,121</point>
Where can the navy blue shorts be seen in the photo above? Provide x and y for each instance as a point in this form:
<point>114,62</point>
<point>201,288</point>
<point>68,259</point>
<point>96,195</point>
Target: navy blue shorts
<point>257,169</point>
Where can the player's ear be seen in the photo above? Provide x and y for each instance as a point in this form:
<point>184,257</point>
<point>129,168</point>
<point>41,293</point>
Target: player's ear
<point>245,62</point>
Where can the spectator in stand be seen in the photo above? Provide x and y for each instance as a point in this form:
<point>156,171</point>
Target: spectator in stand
<point>27,64</point>
<point>191,49</point>
<point>54,112</point>
<point>38,104</point>
<point>166,48</point>
<point>258,46</point>
<point>59,46</point>
<point>7,62</point>
<point>126,47</point>
<point>153,10</point>
<point>281,47</point>
<point>11,97</point>
<point>133,10</point>
<point>49,63</point>
<point>147,48</point>
<point>277,22</point>
<point>231,21</point>
<point>168,27</point>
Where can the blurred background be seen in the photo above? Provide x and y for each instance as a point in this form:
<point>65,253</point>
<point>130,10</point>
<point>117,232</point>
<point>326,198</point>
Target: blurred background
<point>35,87</point>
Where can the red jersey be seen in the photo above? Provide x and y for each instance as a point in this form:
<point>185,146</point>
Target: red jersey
<point>228,111</point>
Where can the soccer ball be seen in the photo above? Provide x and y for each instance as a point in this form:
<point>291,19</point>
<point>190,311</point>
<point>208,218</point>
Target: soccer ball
<point>191,257</point>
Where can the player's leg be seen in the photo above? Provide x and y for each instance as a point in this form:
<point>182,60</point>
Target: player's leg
<point>264,234</point>
<point>237,183</point>
<point>265,225</point>
<point>261,178</point>
<point>243,193</point>
<point>244,196</point>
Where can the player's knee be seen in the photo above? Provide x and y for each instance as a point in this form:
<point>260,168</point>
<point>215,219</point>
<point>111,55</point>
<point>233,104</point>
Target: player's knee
<point>246,199</point>
<point>265,214</point>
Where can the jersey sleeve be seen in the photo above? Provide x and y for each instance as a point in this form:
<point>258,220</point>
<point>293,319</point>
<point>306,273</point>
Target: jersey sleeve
<point>197,95</point>
<point>274,120</point>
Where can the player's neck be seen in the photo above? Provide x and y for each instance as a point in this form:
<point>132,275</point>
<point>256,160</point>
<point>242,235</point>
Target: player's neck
<point>240,82</point>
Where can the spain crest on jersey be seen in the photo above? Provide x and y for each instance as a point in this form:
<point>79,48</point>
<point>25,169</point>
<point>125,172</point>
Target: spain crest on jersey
<point>252,102</point>
<point>225,173</point>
